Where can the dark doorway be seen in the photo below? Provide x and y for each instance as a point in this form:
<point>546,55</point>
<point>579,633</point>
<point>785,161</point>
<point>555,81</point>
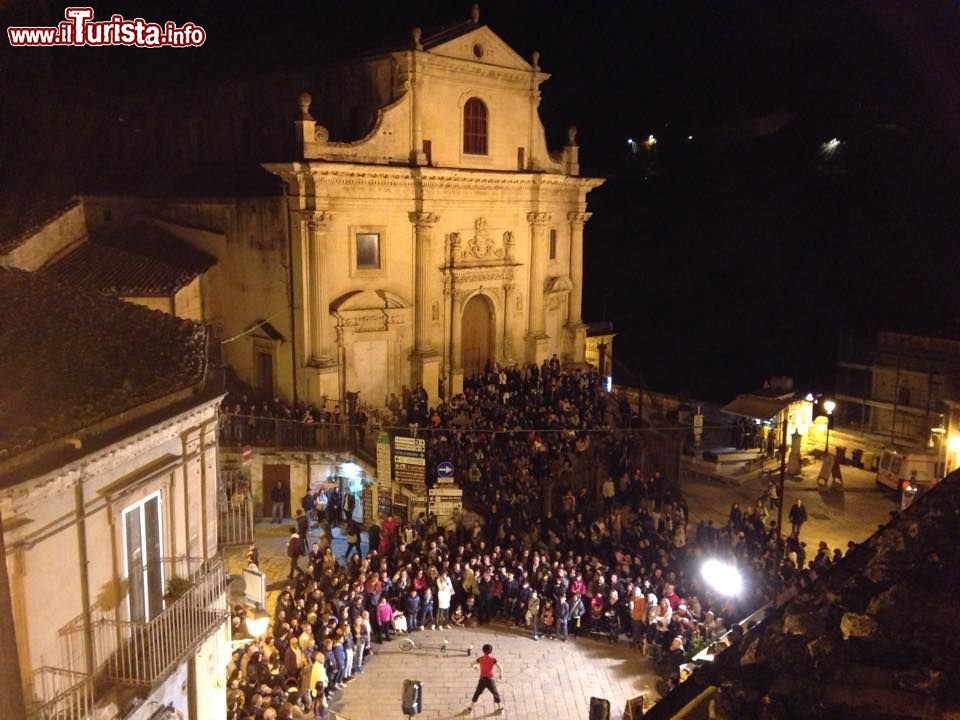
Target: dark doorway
<point>477,336</point>
<point>264,372</point>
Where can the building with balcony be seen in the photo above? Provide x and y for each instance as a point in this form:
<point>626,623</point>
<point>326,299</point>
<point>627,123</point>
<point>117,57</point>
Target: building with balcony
<point>112,596</point>
<point>893,387</point>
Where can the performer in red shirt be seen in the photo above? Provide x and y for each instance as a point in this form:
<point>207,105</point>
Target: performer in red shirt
<point>487,662</point>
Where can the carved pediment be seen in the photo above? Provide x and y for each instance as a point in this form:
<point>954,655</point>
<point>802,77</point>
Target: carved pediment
<point>480,245</point>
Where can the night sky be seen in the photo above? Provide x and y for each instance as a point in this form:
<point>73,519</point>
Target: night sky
<point>742,253</point>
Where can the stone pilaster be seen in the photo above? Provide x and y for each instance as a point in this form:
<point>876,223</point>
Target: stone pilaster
<point>508,299</point>
<point>425,360</point>
<point>575,327</point>
<point>456,342</point>
<point>316,224</point>
<point>536,321</point>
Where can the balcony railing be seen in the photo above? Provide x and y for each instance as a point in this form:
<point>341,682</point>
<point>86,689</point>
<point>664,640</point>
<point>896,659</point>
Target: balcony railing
<point>141,653</point>
<point>62,694</point>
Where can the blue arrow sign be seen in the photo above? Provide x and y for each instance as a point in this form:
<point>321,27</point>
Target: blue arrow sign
<point>445,469</point>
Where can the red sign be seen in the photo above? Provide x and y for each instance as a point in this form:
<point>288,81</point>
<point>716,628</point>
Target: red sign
<point>247,453</point>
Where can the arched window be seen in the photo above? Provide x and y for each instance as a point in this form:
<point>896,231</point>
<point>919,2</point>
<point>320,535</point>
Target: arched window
<point>475,127</point>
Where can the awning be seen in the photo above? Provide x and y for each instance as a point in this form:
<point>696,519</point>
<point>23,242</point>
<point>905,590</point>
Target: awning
<point>753,406</point>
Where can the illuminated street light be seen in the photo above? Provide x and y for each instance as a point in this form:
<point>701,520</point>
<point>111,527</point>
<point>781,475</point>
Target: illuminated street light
<point>830,147</point>
<point>829,406</point>
<point>722,577</point>
<point>650,141</point>
<point>257,621</point>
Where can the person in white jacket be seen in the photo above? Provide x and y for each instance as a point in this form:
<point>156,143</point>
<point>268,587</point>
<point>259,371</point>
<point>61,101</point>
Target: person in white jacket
<point>444,595</point>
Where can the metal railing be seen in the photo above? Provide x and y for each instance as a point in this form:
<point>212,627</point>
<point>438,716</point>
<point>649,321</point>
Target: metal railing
<point>141,653</point>
<point>286,434</point>
<point>62,694</point>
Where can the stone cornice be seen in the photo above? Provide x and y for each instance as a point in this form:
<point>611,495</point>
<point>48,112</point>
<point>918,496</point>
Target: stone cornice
<point>442,66</point>
<point>362,174</point>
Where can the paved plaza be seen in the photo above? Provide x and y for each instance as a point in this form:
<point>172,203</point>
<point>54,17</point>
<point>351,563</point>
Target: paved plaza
<point>550,679</point>
<point>545,679</point>
<point>834,517</point>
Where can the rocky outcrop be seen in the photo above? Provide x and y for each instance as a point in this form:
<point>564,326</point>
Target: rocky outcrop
<point>875,637</point>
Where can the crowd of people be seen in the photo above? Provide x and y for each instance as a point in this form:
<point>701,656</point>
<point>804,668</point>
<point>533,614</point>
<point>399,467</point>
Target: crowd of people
<point>560,560</point>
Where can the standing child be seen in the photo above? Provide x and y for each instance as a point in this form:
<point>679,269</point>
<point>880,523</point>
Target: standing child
<point>426,610</point>
<point>563,616</point>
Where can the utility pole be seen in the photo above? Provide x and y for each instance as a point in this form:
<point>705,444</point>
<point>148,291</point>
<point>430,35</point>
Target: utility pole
<point>783,472</point>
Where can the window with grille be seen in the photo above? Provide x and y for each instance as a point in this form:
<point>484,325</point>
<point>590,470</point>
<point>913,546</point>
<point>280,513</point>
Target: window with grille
<point>475,127</point>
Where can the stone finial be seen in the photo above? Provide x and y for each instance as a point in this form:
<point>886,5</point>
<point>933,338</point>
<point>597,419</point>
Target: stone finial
<point>572,135</point>
<point>417,33</point>
<point>535,56</point>
<point>475,13</point>
<point>305,101</point>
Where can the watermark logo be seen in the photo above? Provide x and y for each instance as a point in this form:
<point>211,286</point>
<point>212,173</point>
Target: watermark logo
<point>79,28</point>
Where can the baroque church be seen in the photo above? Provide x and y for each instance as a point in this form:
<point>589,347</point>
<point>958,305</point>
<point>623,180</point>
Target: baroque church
<point>406,222</point>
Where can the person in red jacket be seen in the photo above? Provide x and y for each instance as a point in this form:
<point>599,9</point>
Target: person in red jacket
<point>487,663</point>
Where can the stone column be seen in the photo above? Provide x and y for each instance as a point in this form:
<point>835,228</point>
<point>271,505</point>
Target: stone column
<point>317,223</point>
<point>425,361</point>
<point>536,321</point>
<point>575,327</point>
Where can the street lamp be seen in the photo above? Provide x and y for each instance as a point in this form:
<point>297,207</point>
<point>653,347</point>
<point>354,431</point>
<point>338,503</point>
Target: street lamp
<point>258,620</point>
<point>829,406</point>
<point>722,577</point>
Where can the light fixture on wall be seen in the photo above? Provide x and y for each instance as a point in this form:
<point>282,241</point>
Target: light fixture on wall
<point>829,406</point>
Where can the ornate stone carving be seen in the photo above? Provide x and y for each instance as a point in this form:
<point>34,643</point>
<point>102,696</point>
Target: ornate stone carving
<point>481,245</point>
<point>435,311</point>
<point>316,219</point>
<point>423,219</point>
<point>321,134</point>
<point>538,218</point>
<point>578,218</point>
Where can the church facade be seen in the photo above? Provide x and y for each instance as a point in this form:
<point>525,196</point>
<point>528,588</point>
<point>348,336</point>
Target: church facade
<point>447,237</point>
<point>359,228</point>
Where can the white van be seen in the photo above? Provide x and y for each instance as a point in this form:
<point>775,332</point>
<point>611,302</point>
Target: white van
<point>897,468</point>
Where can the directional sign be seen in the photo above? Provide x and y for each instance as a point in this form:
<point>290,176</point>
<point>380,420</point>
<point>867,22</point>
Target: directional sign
<point>409,463</point>
<point>440,508</point>
<point>438,492</point>
<point>445,469</point>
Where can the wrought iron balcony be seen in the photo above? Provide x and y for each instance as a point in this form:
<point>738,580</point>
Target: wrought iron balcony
<point>134,656</point>
<point>142,653</point>
<point>64,694</point>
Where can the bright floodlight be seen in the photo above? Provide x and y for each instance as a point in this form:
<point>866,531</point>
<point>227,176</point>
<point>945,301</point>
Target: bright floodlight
<point>721,577</point>
<point>257,622</point>
<point>829,406</point>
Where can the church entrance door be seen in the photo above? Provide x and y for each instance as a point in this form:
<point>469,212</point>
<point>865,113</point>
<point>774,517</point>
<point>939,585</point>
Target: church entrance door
<point>477,335</point>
